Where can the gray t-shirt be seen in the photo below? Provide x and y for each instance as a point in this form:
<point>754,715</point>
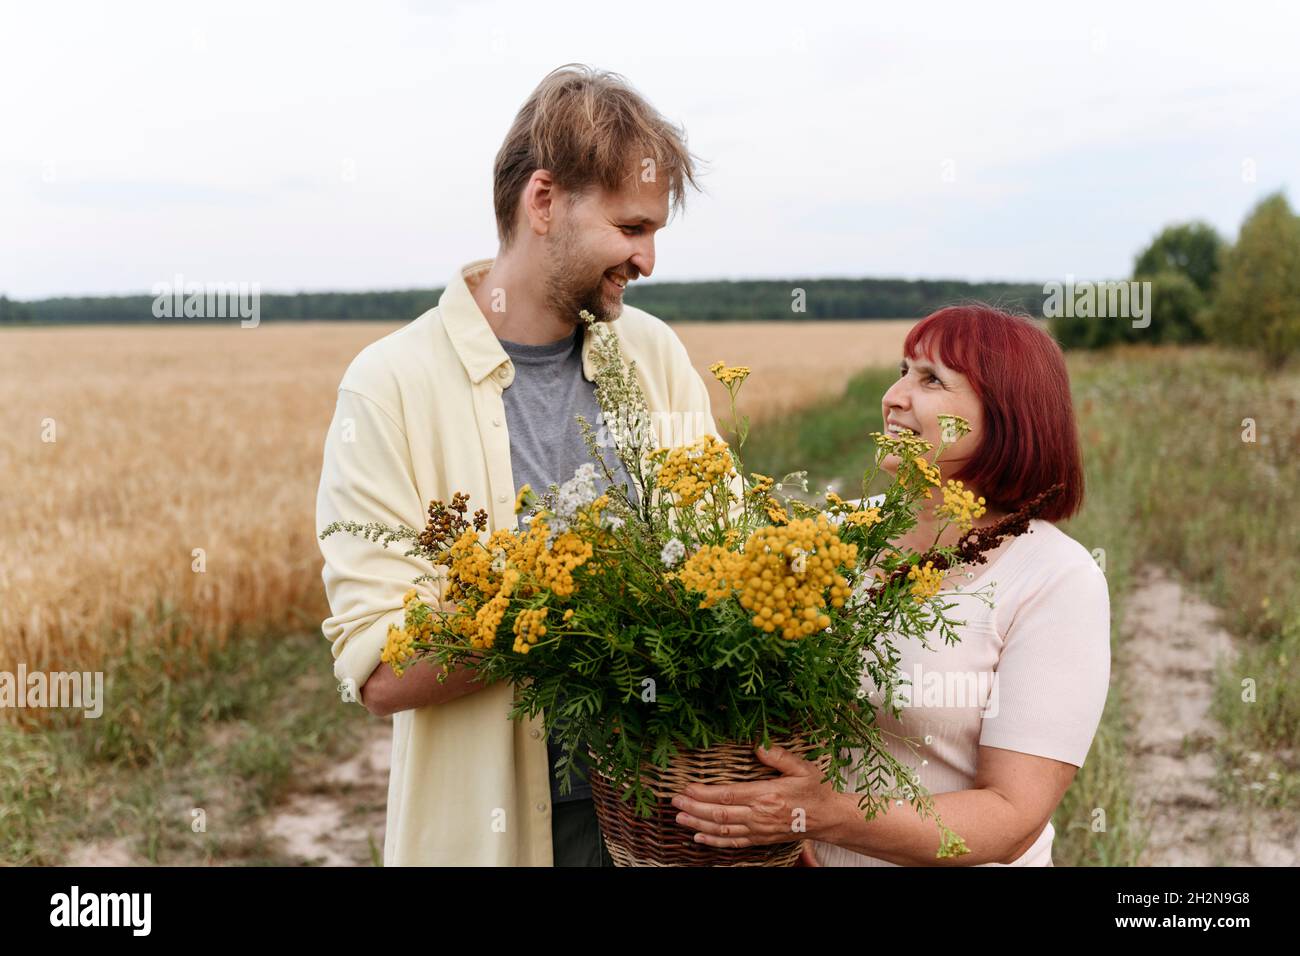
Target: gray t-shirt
<point>546,445</point>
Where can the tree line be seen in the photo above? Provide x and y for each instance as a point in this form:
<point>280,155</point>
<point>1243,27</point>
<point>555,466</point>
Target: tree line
<point>722,301</point>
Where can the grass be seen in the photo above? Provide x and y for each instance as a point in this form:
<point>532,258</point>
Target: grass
<point>1170,481</point>
<point>828,438</point>
<point>1259,767</point>
<point>1174,483</point>
<point>225,738</point>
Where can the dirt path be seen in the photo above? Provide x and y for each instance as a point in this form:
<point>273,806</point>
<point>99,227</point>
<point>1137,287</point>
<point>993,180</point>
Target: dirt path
<point>336,818</point>
<point>1171,643</point>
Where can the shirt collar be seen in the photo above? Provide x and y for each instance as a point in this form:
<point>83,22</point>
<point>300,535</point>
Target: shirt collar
<point>472,337</point>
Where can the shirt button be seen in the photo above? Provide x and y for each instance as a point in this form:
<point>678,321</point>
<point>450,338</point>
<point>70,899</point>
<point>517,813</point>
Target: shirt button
<point>541,808</point>
<point>501,498</point>
<point>534,734</point>
<point>497,422</point>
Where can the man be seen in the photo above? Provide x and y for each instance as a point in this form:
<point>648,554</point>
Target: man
<point>480,395</point>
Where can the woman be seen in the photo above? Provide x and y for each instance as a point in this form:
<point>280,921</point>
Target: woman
<point>997,725</point>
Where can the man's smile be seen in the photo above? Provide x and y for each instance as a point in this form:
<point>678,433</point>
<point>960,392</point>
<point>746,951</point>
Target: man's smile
<point>617,283</point>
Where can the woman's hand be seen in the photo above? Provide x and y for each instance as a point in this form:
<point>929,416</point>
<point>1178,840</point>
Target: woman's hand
<point>794,806</point>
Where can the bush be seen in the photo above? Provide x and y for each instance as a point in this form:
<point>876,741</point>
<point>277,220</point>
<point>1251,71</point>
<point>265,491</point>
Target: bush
<point>1258,300</point>
<point>1173,304</point>
<point>1177,311</point>
<point>1192,249</point>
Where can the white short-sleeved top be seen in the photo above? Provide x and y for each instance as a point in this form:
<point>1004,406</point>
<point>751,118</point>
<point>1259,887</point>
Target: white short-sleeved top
<point>1030,674</point>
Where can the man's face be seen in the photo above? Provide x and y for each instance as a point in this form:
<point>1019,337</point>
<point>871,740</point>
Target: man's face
<point>600,241</point>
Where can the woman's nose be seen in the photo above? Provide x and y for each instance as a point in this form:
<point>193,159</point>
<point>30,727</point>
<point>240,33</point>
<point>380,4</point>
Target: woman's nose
<point>897,395</point>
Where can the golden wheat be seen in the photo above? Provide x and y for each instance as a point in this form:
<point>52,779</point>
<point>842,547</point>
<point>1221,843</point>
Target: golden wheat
<point>167,440</point>
<point>793,363</point>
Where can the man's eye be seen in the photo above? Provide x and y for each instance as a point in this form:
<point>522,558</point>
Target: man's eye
<point>631,230</point>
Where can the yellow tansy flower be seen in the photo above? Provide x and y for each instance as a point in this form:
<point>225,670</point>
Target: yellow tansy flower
<point>863,519</point>
<point>691,470</point>
<point>926,581</point>
<point>960,506</point>
<point>397,649</point>
<point>729,375</point>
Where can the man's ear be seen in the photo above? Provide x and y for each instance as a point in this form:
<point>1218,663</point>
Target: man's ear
<point>539,200</point>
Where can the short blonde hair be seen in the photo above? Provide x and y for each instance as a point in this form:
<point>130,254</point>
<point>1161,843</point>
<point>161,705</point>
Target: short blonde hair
<point>587,127</point>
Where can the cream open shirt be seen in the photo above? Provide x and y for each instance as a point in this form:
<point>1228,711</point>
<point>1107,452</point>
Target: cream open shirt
<point>420,416</point>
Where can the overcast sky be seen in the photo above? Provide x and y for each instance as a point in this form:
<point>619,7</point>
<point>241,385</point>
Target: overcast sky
<point>314,147</point>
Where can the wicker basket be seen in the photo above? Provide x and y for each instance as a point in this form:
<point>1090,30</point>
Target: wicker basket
<point>659,840</point>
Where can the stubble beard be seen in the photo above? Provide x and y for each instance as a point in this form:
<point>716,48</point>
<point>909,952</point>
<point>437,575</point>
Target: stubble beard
<point>569,292</point>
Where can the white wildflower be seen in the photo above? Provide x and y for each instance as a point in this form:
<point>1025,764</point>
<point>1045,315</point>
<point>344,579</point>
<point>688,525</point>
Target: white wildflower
<point>673,552</point>
<point>555,526</point>
<point>578,492</point>
<point>952,428</point>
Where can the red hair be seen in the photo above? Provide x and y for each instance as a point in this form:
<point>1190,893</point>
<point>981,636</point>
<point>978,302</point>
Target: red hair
<point>1030,440</point>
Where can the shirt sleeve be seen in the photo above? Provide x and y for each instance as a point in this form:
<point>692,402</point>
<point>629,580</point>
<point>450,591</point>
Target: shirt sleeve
<point>366,477</point>
<point>1054,670</point>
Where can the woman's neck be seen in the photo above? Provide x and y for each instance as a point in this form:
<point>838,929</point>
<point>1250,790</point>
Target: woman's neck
<point>928,523</point>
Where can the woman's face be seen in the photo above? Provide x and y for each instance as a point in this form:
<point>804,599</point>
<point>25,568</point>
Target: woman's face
<point>926,389</point>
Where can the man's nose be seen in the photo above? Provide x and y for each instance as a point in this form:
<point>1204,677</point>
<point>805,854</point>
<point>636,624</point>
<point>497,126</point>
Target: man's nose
<point>644,258</point>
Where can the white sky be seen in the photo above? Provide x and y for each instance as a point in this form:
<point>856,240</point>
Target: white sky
<point>316,146</point>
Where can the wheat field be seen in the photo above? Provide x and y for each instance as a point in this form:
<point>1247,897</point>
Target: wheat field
<point>160,482</point>
<point>794,363</point>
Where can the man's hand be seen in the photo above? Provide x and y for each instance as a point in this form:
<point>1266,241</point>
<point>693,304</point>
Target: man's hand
<point>384,693</point>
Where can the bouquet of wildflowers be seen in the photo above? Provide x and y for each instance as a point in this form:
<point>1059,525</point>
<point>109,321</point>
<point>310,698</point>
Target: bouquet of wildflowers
<point>698,606</point>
